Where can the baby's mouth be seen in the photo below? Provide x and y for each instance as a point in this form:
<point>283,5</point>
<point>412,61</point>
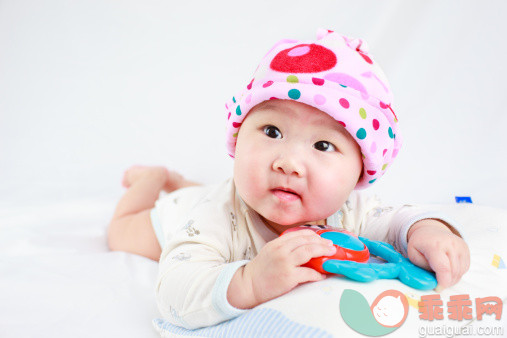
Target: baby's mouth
<point>285,194</point>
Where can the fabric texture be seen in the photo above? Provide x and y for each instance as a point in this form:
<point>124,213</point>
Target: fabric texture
<point>337,75</point>
<point>210,233</point>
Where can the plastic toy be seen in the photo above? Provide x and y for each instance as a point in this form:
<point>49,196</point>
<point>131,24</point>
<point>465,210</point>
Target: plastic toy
<point>353,253</point>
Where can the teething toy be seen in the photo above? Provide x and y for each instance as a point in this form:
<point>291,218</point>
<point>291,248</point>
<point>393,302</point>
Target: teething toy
<point>352,255</point>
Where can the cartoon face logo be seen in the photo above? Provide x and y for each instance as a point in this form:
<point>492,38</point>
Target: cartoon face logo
<point>390,308</point>
<point>386,314</point>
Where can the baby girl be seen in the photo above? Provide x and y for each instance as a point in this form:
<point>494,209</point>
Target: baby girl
<point>312,128</point>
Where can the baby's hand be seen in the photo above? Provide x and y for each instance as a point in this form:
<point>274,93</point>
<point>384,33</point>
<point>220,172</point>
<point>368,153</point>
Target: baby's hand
<point>432,245</point>
<point>277,268</point>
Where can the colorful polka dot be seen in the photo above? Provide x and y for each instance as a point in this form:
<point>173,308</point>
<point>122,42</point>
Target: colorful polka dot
<point>250,85</point>
<point>371,172</point>
<point>298,51</point>
<point>362,113</point>
<point>235,135</point>
<point>342,123</point>
<point>383,105</point>
<point>372,181</point>
<point>267,84</point>
<point>384,166</point>
<point>292,79</point>
<point>376,124</point>
<point>294,94</point>
<point>233,99</point>
<point>318,82</point>
<point>344,103</point>
<point>319,99</point>
<point>238,110</point>
<point>361,134</point>
<point>248,99</point>
<point>390,131</point>
<point>229,116</point>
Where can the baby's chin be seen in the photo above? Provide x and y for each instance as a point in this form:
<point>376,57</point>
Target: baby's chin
<point>283,223</point>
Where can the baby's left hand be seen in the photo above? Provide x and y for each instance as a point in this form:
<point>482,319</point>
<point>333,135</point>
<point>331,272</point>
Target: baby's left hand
<point>433,246</point>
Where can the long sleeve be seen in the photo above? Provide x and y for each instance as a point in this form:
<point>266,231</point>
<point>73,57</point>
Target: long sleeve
<point>364,214</point>
<point>197,264</point>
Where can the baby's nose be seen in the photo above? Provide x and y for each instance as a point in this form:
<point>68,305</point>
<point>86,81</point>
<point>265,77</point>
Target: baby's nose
<point>291,164</point>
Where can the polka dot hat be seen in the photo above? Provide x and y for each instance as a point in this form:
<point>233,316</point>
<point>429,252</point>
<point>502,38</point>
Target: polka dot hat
<point>336,75</point>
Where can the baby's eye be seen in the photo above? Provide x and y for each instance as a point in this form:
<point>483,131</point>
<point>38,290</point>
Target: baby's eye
<point>324,146</point>
<point>272,132</point>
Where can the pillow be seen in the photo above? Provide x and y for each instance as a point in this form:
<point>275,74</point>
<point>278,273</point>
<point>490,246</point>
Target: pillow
<point>317,309</point>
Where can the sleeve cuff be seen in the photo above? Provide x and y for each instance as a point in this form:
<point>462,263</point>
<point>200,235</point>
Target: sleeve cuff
<point>219,293</point>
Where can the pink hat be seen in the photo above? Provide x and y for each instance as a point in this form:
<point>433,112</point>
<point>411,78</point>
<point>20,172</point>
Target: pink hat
<point>336,75</point>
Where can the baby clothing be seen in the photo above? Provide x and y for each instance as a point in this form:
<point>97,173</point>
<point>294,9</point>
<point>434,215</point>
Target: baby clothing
<point>208,232</point>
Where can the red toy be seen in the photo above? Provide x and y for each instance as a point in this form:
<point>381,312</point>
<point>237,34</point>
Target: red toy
<point>348,246</point>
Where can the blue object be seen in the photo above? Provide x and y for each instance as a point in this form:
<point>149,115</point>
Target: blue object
<point>463,199</point>
<point>344,240</point>
<point>397,266</point>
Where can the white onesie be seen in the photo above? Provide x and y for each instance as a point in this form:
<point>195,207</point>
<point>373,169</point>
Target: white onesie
<point>208,232</point>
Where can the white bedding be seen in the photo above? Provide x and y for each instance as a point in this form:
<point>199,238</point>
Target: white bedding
<point>57,279</point>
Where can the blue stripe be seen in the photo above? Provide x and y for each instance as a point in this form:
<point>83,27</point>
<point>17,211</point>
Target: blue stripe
<point>244,323</point>
<point>270,324</point>
<point>254,323</point>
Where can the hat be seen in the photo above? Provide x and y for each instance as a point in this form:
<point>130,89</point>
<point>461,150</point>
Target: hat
<point>336,75</point>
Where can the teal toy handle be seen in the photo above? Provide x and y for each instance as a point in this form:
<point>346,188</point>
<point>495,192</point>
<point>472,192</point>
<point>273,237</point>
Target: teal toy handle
<point>397,267</point>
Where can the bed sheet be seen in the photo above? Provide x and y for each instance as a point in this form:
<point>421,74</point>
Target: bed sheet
<point>58,279</point>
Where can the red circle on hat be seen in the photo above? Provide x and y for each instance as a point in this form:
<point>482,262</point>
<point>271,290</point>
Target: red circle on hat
<point>312,59</point>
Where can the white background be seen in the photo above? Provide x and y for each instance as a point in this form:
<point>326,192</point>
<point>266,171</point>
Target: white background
<point>88,88</point>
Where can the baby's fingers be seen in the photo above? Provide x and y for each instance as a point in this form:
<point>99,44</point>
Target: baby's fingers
<point>462,263</point>
<point>294,240</point>
<point>418,258</point>
<point>308,275</point>
<point>440,263</point>
<point>304,253</point>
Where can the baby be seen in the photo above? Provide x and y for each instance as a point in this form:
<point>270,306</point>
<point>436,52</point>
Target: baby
<point>312,128</point>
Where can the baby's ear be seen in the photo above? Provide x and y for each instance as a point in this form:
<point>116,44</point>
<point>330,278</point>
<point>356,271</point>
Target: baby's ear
<point>361,176</point>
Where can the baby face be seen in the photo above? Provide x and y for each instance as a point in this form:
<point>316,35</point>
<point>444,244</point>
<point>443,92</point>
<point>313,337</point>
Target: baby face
<point>294,164</point>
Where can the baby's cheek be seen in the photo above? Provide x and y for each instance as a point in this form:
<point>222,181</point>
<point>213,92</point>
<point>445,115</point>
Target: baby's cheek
<point>247,177</point>
<point>328,196</point>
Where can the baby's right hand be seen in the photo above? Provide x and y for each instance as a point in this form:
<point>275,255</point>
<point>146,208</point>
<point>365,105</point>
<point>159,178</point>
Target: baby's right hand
<point>277,268</point>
